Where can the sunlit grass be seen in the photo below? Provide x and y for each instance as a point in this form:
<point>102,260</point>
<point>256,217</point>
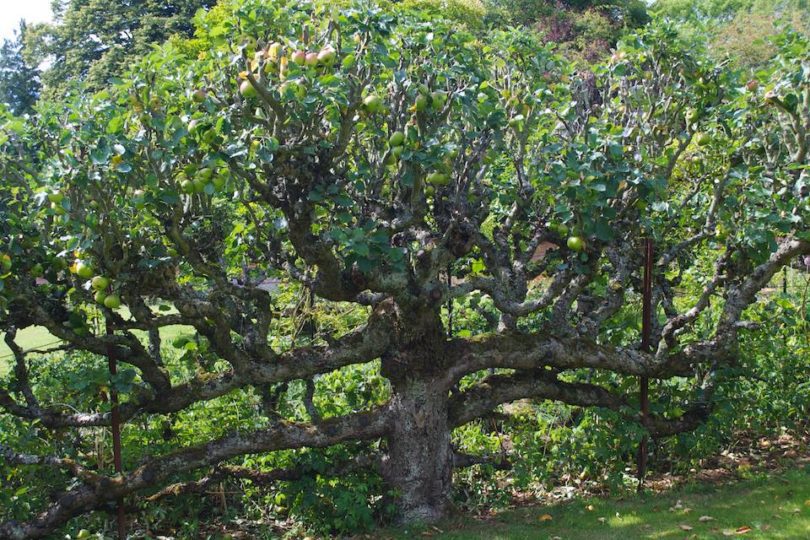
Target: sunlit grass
<point>773,507</point>
<point>37,337</point>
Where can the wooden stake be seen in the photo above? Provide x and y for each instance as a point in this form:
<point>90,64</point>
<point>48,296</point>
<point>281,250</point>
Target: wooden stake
<point>116,429</point>
<point>646,335</point>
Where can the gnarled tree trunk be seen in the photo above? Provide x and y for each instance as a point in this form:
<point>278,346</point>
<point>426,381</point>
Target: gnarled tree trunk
<point>420,460</point>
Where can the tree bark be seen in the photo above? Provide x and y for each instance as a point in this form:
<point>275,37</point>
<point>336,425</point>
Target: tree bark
<point>420,459</point>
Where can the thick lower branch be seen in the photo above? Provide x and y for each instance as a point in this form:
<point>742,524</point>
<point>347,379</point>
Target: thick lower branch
<point>86,498</point>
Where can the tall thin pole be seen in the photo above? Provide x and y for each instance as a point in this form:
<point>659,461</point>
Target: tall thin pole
<point>646,336</point>
<point>116,428</point>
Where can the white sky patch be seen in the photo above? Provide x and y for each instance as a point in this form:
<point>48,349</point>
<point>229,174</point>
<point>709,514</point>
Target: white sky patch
<point>11,11</point>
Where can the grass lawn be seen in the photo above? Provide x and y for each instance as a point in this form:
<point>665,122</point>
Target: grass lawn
<point>37,337</point>
<point>772,507</point>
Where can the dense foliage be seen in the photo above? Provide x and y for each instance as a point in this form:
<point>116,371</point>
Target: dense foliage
<point>326,242</point>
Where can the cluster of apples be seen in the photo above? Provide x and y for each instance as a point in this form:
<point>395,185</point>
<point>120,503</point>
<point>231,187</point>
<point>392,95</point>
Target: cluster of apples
<point>202,179</point>
<point>99,284</point>
<point>274,54</point>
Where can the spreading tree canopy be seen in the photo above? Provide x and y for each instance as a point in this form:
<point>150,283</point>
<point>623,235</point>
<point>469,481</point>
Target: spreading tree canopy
<point>397,166</point>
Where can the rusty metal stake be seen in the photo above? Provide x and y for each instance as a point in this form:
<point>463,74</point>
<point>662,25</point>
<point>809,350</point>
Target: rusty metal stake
<point>116,428</point>
<point>646,335</point>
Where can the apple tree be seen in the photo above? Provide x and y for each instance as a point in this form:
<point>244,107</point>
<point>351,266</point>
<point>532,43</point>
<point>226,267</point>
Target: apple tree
<point>398,166</point>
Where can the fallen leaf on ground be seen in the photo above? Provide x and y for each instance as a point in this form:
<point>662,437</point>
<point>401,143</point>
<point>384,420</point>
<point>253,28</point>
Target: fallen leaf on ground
<point>545,517</point>
<point>729,532</point>
<point>704,519</point>
<point>589,508</point>
<point>602,520</point>
<point>744,529</point>
<point>686,527</point>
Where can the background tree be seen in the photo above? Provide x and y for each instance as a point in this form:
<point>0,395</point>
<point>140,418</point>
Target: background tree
<point>389,167</point>
<point>94,41</point>
<point>739,31</point>
<point>19,81</point>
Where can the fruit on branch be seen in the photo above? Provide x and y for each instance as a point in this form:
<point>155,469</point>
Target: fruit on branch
<point>299,57</point>
<point>438,99</point>
<point>99,297</point>
<point>247,89</point>
<point>100,283</point>
<point>187,186</point>
<point>421,103</point>
<point>327,55</point>
<point>312,59</point>
<point>396,151</point>
<point>703,139</point>
<point>199,95</point>
<point>56,196</point>
<point>576,243</point>
<point>83,269</point>
<point>373,103</point>
<point>113,301</point>
<point>5,262</point>
<point>198,185</point>
<point>559,228</point>
<point>438,179</point>
<point>397,138</point>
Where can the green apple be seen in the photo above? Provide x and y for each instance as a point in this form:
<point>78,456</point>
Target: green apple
<point>83,534</point>
<point>299,57</point>
<point>437,179</point>
<point>113,301</point>
<point>199,95</point>
<point>99,297</point>
<point>199,185</point>
<point>247,89</point>
<point>5,262</point>
<point>311,59</point>
<point>219,181</point>
<point>421,103</point>
<point>396,139</point>
<point>397,151</point>
<point>373,103</point>
<point>559,228</point>
<point>56,196</point>
<point>58,209</point>
<point>327,55</point>
<point>704,139</point>
<point>576,243</point>
<point>187,186</point>
<point>438,98</point>
<point>100,283</point>
<point>84,270</point>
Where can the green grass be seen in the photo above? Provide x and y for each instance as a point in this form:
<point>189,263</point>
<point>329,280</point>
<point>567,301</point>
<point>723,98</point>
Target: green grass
<point>37,337</point>
<point>774,507</point>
